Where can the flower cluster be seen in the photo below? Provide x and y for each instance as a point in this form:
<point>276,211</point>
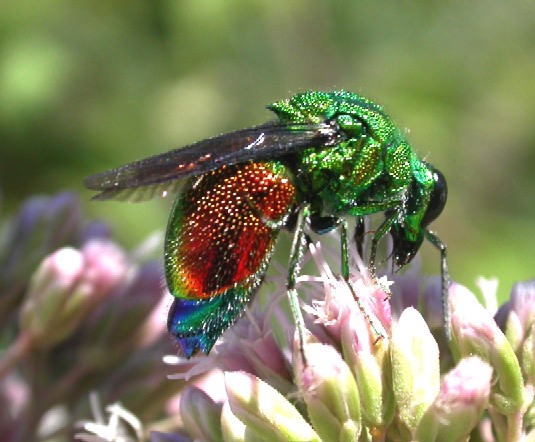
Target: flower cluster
<point>376,368</point>
<point>77,314</point>
<point>82,322</point>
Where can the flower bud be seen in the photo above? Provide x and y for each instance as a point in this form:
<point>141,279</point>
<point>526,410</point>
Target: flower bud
<point>528,356</point>
<point>371,364</point>
<point>463,396</point>
<point>523,302</point>
<point>42,225</point>
<point>14,397</point>
<point>266,413</point>
<point>521,312</point>
<point>249,345</point>
<point>415,368</point>
<point>157,436</point>
<point>66,288</point>
<point>54,303</point>
<point>135,298</point>
<point>475,333</point>
<point>232,428</point>
<point>501,317</point>
<point>105,266</point>
<point>330,392</point>
<point>433,309</point>
<point>406,287</point>
<point>200,414</point>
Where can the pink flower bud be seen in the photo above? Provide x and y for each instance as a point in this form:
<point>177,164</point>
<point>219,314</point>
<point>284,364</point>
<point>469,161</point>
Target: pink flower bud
<point>463,396</point>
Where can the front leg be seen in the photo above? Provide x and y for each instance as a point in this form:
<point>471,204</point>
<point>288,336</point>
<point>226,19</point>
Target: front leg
<point>296,255</point>
<point>379,234</point>
<point>345,275</point>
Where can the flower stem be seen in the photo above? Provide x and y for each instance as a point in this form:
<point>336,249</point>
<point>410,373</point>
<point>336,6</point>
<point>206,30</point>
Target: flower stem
<point>15,353</point>
<point>514,426</point>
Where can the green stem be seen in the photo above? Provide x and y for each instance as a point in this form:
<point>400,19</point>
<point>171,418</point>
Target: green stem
<point>514,427</point>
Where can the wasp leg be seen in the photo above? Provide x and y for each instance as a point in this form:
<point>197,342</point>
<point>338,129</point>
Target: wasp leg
<point>446,281</point>
<point>380,233</point>
<point>345,275</point>
<point>298,249</point>
<point>358,235</point>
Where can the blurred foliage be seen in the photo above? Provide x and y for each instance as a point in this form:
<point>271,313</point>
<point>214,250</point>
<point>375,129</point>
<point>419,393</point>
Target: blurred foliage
<point>85,86</point>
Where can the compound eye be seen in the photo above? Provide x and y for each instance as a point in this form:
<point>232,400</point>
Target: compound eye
<point>438,197</point>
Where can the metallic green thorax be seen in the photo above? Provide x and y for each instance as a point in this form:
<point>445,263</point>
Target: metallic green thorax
<point>372,170</point>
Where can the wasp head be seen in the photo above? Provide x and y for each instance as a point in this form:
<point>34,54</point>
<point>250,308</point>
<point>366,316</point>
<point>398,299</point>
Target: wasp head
<point>405,247</point>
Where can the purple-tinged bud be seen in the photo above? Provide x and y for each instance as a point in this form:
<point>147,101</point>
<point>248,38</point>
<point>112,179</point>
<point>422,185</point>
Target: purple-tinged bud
<point>52,308</point>
<point>249,345</point>
<point>95,230</point>
<point>406,287</point>
<point>369,313</point>
<point>200,414</point>
<point>106,338</point>
<point>521,312</point>
<point>139,292</point>
<point>379,307</point>
<point>267,414</point>
<point>63,220</point>
<point>105,266</point>
<point>361,320</point>
<point>14,397</point>
<point>415,368</point>
<point>475,333</point>
<point>501,318</point>
<point>366,300</point>
<point>433,310</point>
<point>66,287</point>
<point>464,395</point>
<point>137,378</point>
<point>330,392</point>
<point>157,436</point>
<point>41,226</point>
<point>371,365</point>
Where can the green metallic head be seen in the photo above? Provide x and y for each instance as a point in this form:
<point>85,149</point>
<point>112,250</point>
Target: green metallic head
<point>405,248</point>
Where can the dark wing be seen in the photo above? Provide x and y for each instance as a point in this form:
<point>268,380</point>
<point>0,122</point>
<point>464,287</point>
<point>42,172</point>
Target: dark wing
<point>158,173</point>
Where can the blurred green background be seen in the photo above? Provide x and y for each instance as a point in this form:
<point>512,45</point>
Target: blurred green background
<point>86,86</point>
